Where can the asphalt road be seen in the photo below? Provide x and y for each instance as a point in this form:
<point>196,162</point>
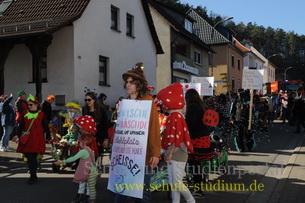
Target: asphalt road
<point>253,174</point>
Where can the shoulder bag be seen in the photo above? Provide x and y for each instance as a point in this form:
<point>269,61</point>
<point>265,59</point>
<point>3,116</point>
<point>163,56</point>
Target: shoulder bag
<point>25,135</point>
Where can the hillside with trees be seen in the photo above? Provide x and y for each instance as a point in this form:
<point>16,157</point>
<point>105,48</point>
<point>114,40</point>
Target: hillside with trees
<point>289,46</point>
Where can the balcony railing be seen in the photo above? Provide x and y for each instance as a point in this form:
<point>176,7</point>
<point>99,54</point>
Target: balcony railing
<point>180,58</point>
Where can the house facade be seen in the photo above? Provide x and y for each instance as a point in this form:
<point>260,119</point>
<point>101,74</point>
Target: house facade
<point>227,63</point>
<point>75,51</point>
<point>185,54</point>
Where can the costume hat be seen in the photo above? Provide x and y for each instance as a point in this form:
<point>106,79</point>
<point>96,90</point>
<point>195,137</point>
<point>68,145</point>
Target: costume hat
<point>2,97</point>
<point>32,98</point>
<point>21,93</point>
<point>136,73</point>
<point>87,123</point>
<point>74,104</point>
<point>172,96</point>
<point>50,97</point>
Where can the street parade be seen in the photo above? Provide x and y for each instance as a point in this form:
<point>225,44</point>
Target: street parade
<point>141,101</point>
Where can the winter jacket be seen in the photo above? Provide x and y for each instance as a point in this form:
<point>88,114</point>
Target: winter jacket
<point>7,112</point>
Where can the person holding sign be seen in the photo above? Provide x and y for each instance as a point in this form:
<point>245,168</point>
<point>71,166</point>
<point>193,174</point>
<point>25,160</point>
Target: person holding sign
<point>135,84</point>
<point>176,141</point>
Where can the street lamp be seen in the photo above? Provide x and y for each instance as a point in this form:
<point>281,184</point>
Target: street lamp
<point>285,72</point>
<point>267,68</point>
<point>272,56</point>
<point>212,36</point>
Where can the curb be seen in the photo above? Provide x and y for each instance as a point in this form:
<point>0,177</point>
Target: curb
<point>276,195</point>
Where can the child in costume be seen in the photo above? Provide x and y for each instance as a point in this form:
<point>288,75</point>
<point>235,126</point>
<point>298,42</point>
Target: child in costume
<point>73,112</point>
<point>86,172</point>
<point>176,141</point>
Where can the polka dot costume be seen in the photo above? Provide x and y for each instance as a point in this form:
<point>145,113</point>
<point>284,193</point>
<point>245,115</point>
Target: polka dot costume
<point>176,132</point>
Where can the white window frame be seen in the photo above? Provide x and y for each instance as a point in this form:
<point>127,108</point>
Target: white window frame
<point>197,57</point>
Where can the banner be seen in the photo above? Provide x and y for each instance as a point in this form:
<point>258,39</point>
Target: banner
<point>187,86</point>
<point>207,85</point>
<point>127,164</point>
<point>252,79</point>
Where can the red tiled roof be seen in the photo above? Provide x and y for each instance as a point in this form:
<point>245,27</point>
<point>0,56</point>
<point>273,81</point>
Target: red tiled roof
<point>240,46</point>
<point>25,17</point>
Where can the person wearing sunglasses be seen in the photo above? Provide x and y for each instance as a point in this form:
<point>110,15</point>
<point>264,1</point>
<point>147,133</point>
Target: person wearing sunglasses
<point>94,109</point>
<point>135,84</point>
<point>34,123</point>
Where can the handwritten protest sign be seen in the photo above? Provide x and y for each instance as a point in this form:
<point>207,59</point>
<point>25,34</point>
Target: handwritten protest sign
<point>127,164</point>
<point>187,86</point>
<point>253,79</point>
<point>207,85</point>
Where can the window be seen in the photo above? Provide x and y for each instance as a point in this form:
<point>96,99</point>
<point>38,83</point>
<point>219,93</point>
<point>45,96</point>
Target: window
<point>197,57</point>
<point>188,26</point>
<point>103,66</point>
<point>233,84</point>
<point>238,63</point>
<point>60,100</point>
<point>180,80</point>
<point>232,58</point>
<point>114,18</point>
<point>129,25</point>
<point>42,64</point>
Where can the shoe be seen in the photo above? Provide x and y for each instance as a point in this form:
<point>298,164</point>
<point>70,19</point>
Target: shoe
<point>8,148</point>
<point>92,200</point>
<point>198,194</point>
<point>32,181</point>
<point>79,198</point>
<point>3,149</point>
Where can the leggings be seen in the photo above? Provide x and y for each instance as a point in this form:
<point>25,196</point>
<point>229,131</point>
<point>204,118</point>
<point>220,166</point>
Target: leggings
<point>90,183</point>
<point>32,163</point>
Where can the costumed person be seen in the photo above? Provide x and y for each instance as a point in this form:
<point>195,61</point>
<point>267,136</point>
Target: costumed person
<point>46,107</point>
<point>99,114</point>
<point>199,132</point>
<point>73,112</point>
<point>240,115</point>
<point>30,135</point>
<point>54,128</point>
<point>20,106</point>
<point>135,84</point>
<point>7,114</point>
<point>86,172</point>
<point>176,141</point>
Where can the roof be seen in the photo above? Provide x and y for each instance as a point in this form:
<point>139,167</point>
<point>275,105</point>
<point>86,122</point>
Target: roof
<point>240,45</point>
<point>207,32</point>
<point>176,20</point>
<point>24,17</point>
<point>152,27</point>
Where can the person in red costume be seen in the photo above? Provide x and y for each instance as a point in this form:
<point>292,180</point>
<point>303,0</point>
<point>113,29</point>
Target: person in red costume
<point>32,126</point>
<point>176,141</point>
<point>20,106</point>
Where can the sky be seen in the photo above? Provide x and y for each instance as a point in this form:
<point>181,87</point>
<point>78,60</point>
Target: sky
<point>287,15</point>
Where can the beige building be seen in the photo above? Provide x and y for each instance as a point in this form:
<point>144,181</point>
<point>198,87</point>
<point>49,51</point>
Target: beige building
<point>184,53</point>
<point>227,63</point>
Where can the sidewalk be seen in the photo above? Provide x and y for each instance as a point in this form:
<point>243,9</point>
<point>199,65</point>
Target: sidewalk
<point>13,159</point>
<point>291,186</point>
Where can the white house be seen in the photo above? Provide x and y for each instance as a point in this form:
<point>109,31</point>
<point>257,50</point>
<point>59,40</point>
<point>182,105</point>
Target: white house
<point>62,47</point>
